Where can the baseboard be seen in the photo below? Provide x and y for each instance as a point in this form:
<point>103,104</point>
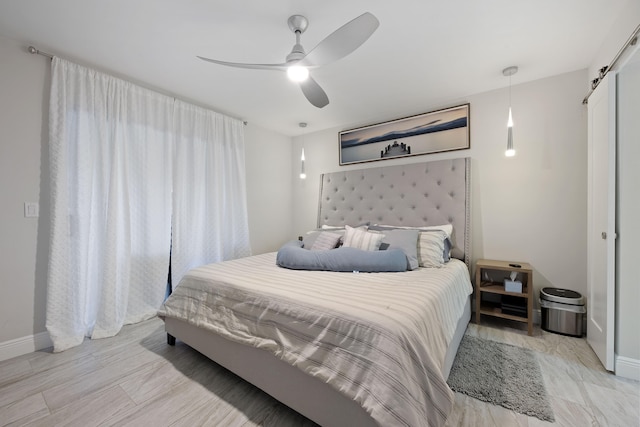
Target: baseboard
<point>29,344</point>
<point>627,368</point>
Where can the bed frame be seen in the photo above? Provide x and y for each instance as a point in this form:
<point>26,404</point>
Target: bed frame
<point>420,194</point>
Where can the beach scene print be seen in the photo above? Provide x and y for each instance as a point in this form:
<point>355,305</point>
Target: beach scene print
<point>434,132</point>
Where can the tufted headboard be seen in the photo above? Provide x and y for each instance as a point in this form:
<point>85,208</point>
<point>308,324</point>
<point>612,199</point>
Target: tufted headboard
<point>418,194</point>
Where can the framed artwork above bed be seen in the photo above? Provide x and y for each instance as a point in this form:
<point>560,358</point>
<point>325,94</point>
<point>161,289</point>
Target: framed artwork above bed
<point>433,132</point>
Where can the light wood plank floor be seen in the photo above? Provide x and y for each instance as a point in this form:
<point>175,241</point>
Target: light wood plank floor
<point>136,379</point>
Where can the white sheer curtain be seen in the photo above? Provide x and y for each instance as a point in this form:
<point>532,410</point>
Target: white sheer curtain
<point>209,197</point>
<point>112,148</point>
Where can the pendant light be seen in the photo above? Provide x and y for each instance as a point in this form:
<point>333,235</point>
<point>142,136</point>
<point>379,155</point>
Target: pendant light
<point>510,152</point>
<point>303,174</point>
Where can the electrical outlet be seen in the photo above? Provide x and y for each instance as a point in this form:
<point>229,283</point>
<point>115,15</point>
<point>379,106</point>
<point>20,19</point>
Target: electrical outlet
<point>31,210</point>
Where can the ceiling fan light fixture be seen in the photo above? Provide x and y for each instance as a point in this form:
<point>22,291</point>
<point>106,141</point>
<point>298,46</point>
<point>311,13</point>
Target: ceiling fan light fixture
<point>333,47</point>
<point>297,73</point>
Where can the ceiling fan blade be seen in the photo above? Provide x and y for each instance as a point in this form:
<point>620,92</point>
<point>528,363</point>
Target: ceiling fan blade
<point>277,67</point>
<point>314,93</point>
<point>342,41</point>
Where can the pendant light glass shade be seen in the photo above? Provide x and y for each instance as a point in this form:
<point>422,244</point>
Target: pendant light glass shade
<point>303,175</point>
<point>510,152</point>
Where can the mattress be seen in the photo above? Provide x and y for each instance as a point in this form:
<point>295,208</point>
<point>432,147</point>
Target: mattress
<point>378,338</point>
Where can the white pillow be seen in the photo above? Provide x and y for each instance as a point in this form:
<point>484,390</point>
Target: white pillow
<point>361,239</point>
<point>447,228</point>
<point>431,248</point>
<point>332,227</point>
<point>341,227</point>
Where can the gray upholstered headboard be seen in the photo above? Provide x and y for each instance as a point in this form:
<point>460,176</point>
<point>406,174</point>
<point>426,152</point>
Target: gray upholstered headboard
<point>418,194</point>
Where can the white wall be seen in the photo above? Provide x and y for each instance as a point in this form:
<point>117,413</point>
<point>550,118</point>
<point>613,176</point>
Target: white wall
<point>24,242</point>
<point>23,261</point>
<point>618,34</point>
<point>269,201</point>
<point>531,207</point>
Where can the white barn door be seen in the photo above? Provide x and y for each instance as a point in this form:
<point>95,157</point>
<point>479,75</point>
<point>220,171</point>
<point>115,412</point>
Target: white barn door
<point>601,220</point>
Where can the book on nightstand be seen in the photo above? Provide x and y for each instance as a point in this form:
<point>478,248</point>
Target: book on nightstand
<point>514,306</point>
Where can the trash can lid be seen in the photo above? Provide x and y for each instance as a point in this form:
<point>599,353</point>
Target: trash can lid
<point>563,296</point>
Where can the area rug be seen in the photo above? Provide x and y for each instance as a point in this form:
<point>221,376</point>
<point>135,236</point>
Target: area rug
<point>501,374</point>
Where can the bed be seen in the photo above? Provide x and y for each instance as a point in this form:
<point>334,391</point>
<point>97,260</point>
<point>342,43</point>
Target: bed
<point>345,348</point>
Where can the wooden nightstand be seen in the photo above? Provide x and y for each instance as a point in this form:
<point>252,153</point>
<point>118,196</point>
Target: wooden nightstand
<point>498,302</point>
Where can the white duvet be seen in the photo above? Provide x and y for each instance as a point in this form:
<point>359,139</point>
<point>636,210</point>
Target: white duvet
<point>379,338</point>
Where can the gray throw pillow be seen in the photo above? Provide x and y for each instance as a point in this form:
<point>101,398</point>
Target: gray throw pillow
<point>407,241</point>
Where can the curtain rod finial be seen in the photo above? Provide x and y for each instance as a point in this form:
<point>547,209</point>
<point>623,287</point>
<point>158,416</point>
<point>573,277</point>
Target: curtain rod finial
<point>34,51</point>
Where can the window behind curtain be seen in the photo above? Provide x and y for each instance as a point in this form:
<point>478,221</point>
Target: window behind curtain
<point>122,163</point>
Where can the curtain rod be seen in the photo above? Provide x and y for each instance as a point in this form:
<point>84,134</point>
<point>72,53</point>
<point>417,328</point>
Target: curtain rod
<point>33,50</point>
<point>631,41</point>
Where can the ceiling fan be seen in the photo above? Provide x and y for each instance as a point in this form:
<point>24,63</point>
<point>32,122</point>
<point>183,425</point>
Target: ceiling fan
<point>335,46</point>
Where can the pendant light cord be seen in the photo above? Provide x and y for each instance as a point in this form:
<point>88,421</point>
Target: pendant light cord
<point>510,75</point>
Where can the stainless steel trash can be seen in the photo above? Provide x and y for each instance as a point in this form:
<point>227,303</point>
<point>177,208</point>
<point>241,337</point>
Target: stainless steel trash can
<point>562,311</point>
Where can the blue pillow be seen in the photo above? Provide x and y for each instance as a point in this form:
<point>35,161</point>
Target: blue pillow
<point>291,255</point>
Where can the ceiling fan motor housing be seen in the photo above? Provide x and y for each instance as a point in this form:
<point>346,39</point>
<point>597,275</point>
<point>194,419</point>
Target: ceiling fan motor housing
<point>298,23</point>
<point>297,53</point>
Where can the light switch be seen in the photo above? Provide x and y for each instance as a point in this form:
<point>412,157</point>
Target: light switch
<point>31,209</point>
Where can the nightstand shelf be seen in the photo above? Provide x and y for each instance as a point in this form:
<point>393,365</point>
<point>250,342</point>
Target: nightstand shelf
<point>489,284</point>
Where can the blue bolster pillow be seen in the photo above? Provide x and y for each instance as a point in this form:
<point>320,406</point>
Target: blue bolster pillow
<point>292,255</point>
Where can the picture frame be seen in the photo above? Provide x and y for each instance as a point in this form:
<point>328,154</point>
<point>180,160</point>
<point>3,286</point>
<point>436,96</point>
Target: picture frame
<point>433,132</point>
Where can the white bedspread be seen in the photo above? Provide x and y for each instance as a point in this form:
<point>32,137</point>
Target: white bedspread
<point>379,338</point>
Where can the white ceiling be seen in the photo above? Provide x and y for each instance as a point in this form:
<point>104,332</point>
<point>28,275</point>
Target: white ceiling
<point>426,54</point>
